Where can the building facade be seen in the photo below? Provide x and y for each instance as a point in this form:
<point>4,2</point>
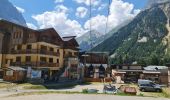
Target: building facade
<point>43,50</point>
<point>96,67</point>
<point>131,73</point>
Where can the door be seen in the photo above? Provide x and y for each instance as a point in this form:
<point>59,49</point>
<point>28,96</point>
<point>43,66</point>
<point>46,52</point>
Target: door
<point>150,87</point>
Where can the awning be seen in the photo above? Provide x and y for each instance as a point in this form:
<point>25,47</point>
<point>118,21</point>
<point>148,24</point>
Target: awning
<point>120,72</point>
<point>151,72</point>
<point>16,68</point>
<point>130,70</point>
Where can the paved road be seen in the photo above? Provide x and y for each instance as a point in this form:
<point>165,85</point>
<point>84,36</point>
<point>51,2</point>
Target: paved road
<point>79,97</point>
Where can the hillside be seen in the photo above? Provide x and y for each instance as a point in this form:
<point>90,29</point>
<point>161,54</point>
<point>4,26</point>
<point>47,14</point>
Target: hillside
<point>144,40</point>
<point>96,37</point>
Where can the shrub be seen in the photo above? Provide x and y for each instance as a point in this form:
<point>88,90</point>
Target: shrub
<point>166,92</point>
<point>85,91</point>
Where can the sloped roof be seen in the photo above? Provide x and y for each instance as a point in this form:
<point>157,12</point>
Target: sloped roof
<point>68,38</point>
<point>152,67</point>
<point>16,68</point>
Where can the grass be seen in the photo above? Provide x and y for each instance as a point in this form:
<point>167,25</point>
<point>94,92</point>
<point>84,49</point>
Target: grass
<point>48,86</point>
<point>4,85</point>
<point>166,92</point>
<point>42,93</point>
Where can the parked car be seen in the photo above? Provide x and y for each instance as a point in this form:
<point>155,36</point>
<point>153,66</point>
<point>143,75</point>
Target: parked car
<point>150,88</point>
<point>109,89</point>
<point>141,81</point>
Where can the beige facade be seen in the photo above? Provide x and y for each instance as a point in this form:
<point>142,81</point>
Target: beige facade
<point>42,50</point>
<point>33,54</point>
<point>1,39</point>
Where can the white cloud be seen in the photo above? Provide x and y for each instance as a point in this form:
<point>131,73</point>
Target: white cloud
<point>59,1</point>
<point>87,2</point>
<point>102,6</point>
<point>59,21</point>
<point>61,8</point>
<point>120,12</point>
<point>32,26</point>
<point>98,23</point>
<point>81,12</point>
<point>21,10</point>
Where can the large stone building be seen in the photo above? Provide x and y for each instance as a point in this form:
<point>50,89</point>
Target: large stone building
<point>42,50</point>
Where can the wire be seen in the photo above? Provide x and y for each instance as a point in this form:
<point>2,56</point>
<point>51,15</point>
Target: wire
<point>108,13</point>
<point>91,44</point>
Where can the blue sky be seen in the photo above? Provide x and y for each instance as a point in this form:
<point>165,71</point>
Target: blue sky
<point>75,13</point>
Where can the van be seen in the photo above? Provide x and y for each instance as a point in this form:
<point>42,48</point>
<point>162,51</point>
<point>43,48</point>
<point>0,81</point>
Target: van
<point>149,86</point>
<point>141,81</point>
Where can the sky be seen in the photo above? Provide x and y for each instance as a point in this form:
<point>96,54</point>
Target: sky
<point>71,17</point>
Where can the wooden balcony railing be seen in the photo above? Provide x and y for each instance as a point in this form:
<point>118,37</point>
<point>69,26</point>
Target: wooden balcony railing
<point>70,55</point>
<point>35,64</point>
<point>35,51</point>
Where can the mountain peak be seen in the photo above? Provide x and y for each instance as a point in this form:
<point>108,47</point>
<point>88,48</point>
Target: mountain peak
<point>155,2</point>
<point>10,13</point>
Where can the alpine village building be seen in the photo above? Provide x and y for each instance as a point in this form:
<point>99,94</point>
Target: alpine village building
<point>43,50</point>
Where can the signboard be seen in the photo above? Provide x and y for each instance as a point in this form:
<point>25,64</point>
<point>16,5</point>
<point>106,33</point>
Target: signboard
<point>35,74</point>
<point>29,72</point>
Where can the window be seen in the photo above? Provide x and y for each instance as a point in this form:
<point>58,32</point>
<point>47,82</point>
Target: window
<point>43,59</point>
<point>57,50</point>
<point>70,53</point>
<point>120,67</point>
<point>76,54</point>
<point>20,35</point>
<point>30,35</point>
<point>51,60</point>
<point>51,49</point>
<point>6,61</point>
<point>114,67</point>
<point>18,59</point>
<point>11,61</point>
<point>14,35</point>
<point>29,47</point>
<point>57,60</point>
<point>28,58</point>
<point>9,73</point>
<point>19,47</point>
<point>43,47</point>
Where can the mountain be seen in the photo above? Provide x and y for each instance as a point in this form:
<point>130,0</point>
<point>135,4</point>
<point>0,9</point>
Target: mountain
<point>96,37</point>
<point>155,2</point>
<point>144,40</point>
<point>10,13</point>
<point>86,39</point>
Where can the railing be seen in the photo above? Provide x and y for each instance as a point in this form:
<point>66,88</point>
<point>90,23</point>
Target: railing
<point>35,64</point>
<point>70,56</point>
<point>35,51</point>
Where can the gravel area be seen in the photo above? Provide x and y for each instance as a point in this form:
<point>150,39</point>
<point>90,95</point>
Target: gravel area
<point>79,97</point>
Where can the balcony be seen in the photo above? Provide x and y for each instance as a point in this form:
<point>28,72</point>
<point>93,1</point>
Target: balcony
<point>35,51</point>
<point>35,64</point>
<point>48,52</point>
<point>70,56</point>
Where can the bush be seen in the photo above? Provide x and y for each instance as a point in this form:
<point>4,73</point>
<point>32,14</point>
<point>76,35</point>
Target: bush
<point>141,95</point>
<point>85,91</point>
<point>166,92</point>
